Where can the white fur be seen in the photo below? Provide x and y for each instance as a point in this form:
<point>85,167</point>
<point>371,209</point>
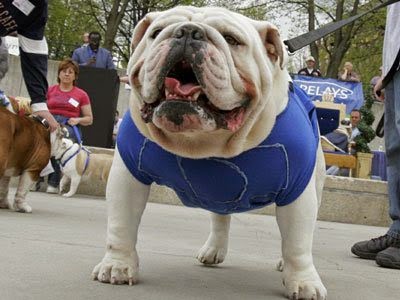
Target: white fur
<point>97,167</point>
<point>127,197</point>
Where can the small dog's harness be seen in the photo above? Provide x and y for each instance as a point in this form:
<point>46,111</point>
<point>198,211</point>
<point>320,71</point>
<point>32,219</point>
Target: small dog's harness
<point>278,170</point>
<point>64,163</point>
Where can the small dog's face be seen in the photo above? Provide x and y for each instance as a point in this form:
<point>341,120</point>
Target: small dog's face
<point>201,73</point>
<point>59,142</point>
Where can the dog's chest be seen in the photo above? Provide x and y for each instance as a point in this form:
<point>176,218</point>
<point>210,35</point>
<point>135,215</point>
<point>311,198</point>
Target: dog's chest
<point>276,171</point>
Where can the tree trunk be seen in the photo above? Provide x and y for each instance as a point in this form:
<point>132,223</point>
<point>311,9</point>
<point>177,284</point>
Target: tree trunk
<point>341,39</point>
<point>311,27</point>
<point>113,21</point>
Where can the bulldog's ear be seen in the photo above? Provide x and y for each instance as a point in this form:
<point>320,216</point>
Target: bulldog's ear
<point>141,28</point>
<point>272,42</point>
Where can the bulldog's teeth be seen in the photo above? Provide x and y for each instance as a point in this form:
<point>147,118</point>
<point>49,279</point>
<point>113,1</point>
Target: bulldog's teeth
<point>196,95</point>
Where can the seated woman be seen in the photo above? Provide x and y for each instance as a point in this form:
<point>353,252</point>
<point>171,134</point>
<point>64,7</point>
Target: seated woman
<point>69,105</point>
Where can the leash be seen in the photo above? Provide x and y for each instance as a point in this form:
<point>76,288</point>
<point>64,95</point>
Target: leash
<point>307,38</point>
<point>76,131</point>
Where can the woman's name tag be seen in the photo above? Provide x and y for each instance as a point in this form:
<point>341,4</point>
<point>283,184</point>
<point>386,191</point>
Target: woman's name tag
<point>73,102</point>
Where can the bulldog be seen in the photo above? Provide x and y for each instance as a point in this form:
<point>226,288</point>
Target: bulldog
<point>214,117</point>
<point>25,149</point>
<point>78,163</point>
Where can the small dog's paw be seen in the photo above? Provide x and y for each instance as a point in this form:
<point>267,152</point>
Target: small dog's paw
<point>210,255</point>
<point>116,271</point>
<point>22,207</point>
<point>69,194</point>
<point>305,285</point>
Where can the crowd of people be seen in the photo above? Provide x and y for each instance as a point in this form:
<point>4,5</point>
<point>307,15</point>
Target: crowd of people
<point>339,138</point>
<point>66,103</point>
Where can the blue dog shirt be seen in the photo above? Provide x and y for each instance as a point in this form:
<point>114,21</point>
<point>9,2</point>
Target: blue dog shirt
<point>277,170</point>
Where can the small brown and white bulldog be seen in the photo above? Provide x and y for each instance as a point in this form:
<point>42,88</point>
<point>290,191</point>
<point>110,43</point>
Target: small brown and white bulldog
<point>25,150</point>
<point>79,164</point>
<point>208,86</point>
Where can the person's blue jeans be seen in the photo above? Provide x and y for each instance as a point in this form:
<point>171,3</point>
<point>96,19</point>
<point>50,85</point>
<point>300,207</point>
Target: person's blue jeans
<point>392,144</point>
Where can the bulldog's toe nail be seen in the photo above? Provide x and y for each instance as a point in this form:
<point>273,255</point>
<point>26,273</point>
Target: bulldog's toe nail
<point>113,280</point>
<point>295,296</point>
<point>131,281</point>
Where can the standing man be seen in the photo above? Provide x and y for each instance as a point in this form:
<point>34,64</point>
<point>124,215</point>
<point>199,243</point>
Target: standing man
<point>386,249</point>
<point>93,55</point>
<point>28,19</point>
<point>310,70</point>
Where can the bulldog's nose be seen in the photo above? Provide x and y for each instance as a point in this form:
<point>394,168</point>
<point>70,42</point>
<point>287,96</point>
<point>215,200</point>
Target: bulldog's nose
<point>189,31</point>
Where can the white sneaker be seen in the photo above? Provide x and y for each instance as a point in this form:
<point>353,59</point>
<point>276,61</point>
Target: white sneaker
<point>52,190</point>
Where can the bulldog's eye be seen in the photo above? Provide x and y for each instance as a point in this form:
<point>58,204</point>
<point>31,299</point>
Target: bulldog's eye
<point>231,40</point>
<point>155,33</point>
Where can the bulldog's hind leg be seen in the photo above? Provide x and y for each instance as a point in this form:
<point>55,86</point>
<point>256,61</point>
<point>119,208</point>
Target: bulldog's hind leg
<point>24,185</point>
<point>296,222</point>
<point>4,182</point>
<point>126,200</point>
<point>216,246</point>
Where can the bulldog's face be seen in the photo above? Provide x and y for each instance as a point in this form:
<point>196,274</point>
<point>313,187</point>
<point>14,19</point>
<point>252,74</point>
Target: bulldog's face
<point>205,73</point>
<point>59,142</point>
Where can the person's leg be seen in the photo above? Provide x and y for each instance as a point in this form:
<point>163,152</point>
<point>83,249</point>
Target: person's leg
<point>54,178</point>
<point>390,257</point>
<point>387,245</point>
<point>392,144</point>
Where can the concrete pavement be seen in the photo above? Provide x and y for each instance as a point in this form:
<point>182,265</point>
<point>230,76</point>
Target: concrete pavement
<point>50,253</point>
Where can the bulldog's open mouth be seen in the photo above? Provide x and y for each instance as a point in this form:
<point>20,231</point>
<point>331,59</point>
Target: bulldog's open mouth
<point>185,106</point>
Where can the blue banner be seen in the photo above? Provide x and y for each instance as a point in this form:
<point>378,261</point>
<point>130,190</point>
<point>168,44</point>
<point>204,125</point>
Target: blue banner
<point>346,92</point>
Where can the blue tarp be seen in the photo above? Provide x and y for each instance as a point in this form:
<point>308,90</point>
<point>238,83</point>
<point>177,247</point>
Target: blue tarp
<point>349,93</point>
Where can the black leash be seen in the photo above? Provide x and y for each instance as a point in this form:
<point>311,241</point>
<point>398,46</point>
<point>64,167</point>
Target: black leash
<point>307,38</point>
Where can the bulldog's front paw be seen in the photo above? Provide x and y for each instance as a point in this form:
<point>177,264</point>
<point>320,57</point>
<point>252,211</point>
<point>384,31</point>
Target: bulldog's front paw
<point>212,253</point>
<point>304,285</point>
<point>117,269</point>
<point>22,207</point>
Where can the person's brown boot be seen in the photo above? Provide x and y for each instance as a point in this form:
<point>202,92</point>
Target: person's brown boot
<point>370,249</point>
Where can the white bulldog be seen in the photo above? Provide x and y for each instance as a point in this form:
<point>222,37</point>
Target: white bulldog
<point>211,103</point>
<point>78,164</point>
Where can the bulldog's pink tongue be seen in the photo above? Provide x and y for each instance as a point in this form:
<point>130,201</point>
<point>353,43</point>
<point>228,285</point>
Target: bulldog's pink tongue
<point>174,89</point>
<point>235,119</point>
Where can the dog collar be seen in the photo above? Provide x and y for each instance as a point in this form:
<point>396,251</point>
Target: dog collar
<point>41,120</point>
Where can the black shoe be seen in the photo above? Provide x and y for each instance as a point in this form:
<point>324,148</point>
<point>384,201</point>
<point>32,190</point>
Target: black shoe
<point>390,257</point>
<point>369,249</point>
